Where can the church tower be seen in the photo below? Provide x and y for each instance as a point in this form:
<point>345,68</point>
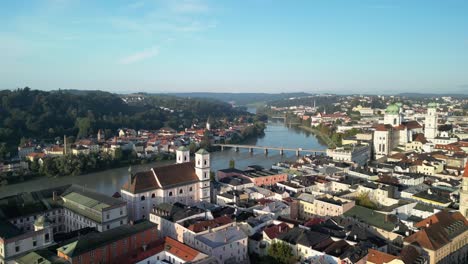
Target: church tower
<point>202,169</point>
<point>430,123</point>
<point>393,115</point>
<point>182,155</point>
<point>464,193</point>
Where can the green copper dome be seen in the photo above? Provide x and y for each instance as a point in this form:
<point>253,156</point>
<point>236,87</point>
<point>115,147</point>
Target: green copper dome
<point>392,109</point>
<point>432,105</point>
<point>183,148</point>
<point>202,151</point>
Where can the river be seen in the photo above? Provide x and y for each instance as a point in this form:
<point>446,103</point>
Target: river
<point>110,181</point>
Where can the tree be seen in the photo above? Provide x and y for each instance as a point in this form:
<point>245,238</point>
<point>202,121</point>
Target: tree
<point>84,125</point>
<point>363,199</point>
<point>3,151</point>
<point>232,164</point>
<point>281,252</point>
<point>192,147</point>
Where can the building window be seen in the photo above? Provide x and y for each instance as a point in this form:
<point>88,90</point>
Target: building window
<point>153,195</point>
<point>190,189</point>
<point>142,198</point>
<point>170,193</point>
<point>46,237</point>
<point>17,249</point>
<point>181,191</point>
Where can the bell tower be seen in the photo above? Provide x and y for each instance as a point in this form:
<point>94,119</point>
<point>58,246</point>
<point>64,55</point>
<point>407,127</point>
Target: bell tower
<point>182,155</point>
<point>202,169</point>
<point>464,193</point>
<point>430,123</point>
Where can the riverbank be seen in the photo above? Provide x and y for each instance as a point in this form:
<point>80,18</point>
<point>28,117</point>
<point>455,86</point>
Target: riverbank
<point>325,138</point>
<point>110,181</point>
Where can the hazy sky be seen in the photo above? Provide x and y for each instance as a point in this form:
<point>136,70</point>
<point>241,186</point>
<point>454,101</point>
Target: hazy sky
<point>235,46</point>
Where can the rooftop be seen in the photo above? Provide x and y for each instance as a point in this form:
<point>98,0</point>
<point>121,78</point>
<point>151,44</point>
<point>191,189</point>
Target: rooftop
<point>222,237</point>
<point>95,240</point>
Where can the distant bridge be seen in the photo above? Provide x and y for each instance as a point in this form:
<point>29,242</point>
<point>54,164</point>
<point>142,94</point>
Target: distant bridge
<point>285,119</point>
<point>267,148</point>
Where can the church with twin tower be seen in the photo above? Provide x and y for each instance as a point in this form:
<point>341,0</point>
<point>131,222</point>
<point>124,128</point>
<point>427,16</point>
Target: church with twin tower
<point>186,181</point>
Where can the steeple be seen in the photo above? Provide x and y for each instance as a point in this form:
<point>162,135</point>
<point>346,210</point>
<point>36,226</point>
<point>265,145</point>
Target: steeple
<point>202,169</point>
<point>182,155</point>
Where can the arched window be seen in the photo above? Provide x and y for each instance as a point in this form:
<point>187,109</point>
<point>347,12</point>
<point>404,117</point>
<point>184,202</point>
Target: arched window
<point>206,162</point>
<point>142,198</point>
<point>153,195</point>
<point>190,189</point>
<point>181,191</point>
<point>170,193</point>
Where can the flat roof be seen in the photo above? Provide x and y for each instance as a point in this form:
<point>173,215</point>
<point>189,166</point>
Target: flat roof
<point>221,237</point>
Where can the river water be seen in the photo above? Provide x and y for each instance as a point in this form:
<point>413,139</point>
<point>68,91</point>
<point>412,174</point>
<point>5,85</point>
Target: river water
<point>110,181</point>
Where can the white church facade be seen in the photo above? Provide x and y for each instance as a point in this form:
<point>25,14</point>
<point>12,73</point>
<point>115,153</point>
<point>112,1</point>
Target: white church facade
<point>394,132</point>
<point>185,182</point>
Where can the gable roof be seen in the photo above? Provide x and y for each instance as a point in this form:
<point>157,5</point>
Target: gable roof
<point>162,177</point>
<point>175,174</point>
<point>438,230</point>
<point>379,257</point>
<point>274,231</point>
<point>141,182</point>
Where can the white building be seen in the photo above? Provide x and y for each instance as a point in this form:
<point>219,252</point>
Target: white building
<point>358,154</point>
<point>430,123</point>
<point>229,244</point>
<point>185,182</point>
<point>83,208</point>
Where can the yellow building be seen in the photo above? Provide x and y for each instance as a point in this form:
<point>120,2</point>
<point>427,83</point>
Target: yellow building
<point>443,236</point>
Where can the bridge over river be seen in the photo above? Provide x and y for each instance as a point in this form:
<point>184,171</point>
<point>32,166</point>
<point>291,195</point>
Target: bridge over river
<point>268,148</point>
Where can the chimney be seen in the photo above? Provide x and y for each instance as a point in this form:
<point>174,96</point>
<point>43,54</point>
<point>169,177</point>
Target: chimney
<point>144,247</point>
<point>54,196</point>
<point>279,228</point>
<point>355,237</point>
<point>427,225</point>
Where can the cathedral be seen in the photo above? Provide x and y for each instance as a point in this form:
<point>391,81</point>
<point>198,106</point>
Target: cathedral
<point>185,181</point>
<point>394,131</point>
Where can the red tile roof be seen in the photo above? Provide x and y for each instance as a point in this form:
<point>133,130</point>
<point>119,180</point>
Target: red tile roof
<point>382,127</point>
<point>205,225</point>
<point>141,182</point>
<point>274,231</point>
<point>170,245</point>
<point>378,257</point>
<point>412,124</point>
<point>434,232</point>
<point>175,174</point>
<point>162,177</point>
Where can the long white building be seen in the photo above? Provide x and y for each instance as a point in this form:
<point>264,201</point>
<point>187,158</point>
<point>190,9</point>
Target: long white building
<point>185,182</point>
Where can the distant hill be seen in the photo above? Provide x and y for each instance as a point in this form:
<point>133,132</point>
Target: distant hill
<point>429,95</point>
<point>243,98</point>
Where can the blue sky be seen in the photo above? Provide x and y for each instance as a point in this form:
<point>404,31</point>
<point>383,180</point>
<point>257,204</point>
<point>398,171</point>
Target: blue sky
<point>365,46</point>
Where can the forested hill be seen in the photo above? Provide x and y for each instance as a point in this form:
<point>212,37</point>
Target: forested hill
<point>45,115</point>
<point>243,98</point>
